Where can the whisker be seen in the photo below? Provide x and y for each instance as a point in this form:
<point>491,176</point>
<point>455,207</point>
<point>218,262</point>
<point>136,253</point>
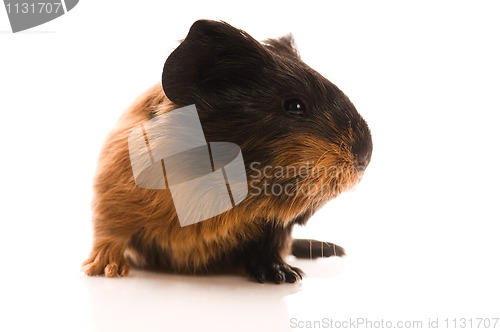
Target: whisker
<point>321,157</point>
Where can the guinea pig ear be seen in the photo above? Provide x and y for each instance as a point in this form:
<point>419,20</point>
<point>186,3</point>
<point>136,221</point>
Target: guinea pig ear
<point>284,46</point>
<point>212,58</point>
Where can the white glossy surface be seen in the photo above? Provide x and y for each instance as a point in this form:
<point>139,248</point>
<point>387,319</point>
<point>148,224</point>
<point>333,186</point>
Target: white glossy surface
<point>421,230</point>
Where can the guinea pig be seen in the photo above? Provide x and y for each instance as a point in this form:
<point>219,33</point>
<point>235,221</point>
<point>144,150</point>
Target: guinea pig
<point>282,114</point>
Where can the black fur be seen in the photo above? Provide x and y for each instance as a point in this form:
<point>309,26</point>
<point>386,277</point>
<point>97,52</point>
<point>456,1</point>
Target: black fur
<point>238,86</point>
<point>263,257</point>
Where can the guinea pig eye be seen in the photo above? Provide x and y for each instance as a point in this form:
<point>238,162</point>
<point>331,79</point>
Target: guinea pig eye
<point>294,106</point>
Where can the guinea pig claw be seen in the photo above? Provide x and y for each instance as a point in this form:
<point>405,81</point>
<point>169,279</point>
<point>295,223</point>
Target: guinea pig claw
<point>294,275</point>
<point>275,272</point>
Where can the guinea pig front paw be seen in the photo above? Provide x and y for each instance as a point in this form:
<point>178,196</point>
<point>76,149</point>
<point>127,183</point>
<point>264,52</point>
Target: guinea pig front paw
<point>277,272</point>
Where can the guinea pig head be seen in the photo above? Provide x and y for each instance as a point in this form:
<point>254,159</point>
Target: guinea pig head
<point>302,140</point>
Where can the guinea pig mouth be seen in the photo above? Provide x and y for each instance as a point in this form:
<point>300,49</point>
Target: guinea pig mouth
<point>324,179</point>
<point>346,179</point>
<point>361,164</point>
<point>331,180</point>
<point>319,170</point>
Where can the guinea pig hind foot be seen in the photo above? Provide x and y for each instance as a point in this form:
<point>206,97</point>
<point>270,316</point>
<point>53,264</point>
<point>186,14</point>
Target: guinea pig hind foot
<point>107,260</point>
<point>311,249</point>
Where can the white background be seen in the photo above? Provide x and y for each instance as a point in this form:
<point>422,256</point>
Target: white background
<point>421,229</point>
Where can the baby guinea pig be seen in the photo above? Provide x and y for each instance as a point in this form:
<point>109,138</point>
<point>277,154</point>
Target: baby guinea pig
<point>281,113</point>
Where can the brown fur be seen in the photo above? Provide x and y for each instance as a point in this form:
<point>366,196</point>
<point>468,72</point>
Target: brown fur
<point>143,222</point>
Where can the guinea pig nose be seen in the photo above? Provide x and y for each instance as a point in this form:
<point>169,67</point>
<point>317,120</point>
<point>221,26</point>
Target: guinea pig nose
<point>362,161</point>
